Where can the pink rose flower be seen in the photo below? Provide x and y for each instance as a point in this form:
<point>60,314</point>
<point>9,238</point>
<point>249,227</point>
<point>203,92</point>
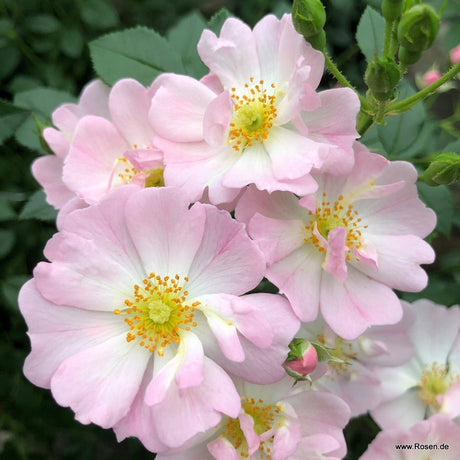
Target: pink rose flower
<point>430,77</point>
<point>437,438</point>
<point>350,373</point>
<point>102,143</point>
<point>343,250</point>
<point>275,422</point>
<point>256,118</point>
<point>141,309</point>
<point>454,55</point>
<point>47,169</point>
<point>430,382</point>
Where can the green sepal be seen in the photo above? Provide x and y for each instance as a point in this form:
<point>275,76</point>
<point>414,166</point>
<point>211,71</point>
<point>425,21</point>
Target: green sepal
<point>443,170</point>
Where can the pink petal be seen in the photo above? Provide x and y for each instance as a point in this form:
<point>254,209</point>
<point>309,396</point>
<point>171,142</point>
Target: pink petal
<point>58,142</point>
<point>129,104</point>
<point>335,256</point>
<point>298,276</point>
<point>190,372</point>
<point>350,308</point>
<point>48,172</point>
<point>163,212</point>
<point>227,260</point>
<point>92,382</point>
<point>222,449</point>
<point>217,118</point>
<point>286,440</point>
<point>247,427</point>
<point>178,108</point>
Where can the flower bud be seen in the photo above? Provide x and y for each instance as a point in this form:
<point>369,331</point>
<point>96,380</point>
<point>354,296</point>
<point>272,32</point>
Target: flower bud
<point>444,170</point>
<point>382,76</point>
<point>309,17</point>
<point>407,57</point>
<point>302,359</point>
<point>418,28</point>
<point>392,9</point>
<point>430,77</point>
<point>454,55</point>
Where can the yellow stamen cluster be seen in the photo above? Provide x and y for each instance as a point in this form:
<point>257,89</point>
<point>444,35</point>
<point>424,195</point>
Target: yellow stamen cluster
<point>253,115</point>
<point>342,350</point>
<point>157,312</point>
<point>264,417</point>
<point>435,381</point>
<point>327,217</point>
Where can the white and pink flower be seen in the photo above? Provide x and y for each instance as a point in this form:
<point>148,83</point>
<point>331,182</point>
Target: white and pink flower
<point>350,374</point>
<point>430,382</point>
<point>103,142</point>
<point>437,438</point>
<point>256,118</point>
<point>141,309</point>
<point>275,422</point>
<point>343,250</point>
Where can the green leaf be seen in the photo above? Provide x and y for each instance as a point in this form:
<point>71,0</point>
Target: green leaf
<point>440,200</point>
<point>10,118</point>
<point>184,36</point>
<point>281,8</point>
<point>443,169</point>
<point>10,289</point>
<point>6,211</point>
<point>10,58</point>
<point>138,53</point>
<point>7,240</point>
<point>38,208</point>
<point>72,42</point>
<point>401,131</point>
<point>41,102</point>
<point>42,24</point>
<point>216,22</point>
<point>370,33</point>
<point>98,14</point>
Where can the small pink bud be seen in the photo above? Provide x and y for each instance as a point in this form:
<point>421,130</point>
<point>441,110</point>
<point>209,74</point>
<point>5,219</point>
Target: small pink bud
<point>455,55</point>
<point>430,77</point>
<point>306,364</point>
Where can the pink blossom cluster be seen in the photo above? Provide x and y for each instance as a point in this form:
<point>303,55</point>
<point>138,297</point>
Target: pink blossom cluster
<point>147,317</point>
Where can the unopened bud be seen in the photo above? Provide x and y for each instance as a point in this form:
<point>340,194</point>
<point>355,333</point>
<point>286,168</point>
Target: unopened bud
<point>430,77</point>
<point>392,9</point>
<point>302,359</point>
<point>418,28</point>
<point>444,170</point>
<point>308,17</point>
<point>454,55</point>
<point>407,57</point>
<point>382,76</point>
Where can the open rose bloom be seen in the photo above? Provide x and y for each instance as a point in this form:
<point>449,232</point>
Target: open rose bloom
<point>137,290</point>
<point>255,118</point>
<point>342,250</point>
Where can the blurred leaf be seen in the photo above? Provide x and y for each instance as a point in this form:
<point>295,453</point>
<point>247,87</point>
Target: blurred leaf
<point>443,169</point>
<point>42,24</point>
<point>6,211</point>
<point>184,37</point>
<point>98,14</point>
<point>370,33</point>
<point>281,8</point>
<point>139,53</point>
<point>10,288</point>
<point>10,118</point>
<point>38,208</point>
<point>9,58</point>
<point>453,147</point>
<point>72,42</point>
<point>7,239</point>
<point>216,22</point>
<point>440,200</point>
<point>401,131</point>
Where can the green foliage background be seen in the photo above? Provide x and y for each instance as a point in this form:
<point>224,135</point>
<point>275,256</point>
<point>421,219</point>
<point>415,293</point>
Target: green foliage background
<point>45,60</point>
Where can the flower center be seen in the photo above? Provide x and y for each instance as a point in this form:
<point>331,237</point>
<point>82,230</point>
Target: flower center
<point>253,115</point>
<point>435,381</point>
<point>155,178</point>
<point>123,172</point>
<point>327,217</point>
<point>158,312</point>
<point>264,417</point>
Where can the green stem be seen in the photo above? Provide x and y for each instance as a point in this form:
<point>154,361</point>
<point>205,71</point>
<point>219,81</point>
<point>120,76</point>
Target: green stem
<point>343,80</point>
<point>387,40</point>
<point>394,38</point>
<point>406,104</point>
